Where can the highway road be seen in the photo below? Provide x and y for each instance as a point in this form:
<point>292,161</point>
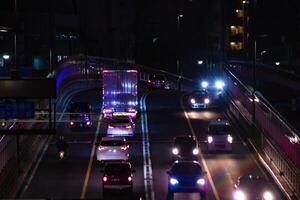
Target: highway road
<point>78,176</point>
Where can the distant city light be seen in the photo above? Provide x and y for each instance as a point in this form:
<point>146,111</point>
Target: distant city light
<point>3,31</point>
<point>200,62</point>
<point>180,16</point>
<point>277,63</point>
<point>5,57</point>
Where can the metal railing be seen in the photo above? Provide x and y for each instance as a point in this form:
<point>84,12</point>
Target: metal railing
<point>272,136</point>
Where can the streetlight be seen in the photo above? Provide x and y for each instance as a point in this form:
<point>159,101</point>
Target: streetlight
<point>200,62</point>
<point>261,55</point>
<point>5,57</point>
<point>277,63</point>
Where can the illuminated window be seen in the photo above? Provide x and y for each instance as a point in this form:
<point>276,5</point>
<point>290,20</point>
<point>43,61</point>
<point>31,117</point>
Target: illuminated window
<point>239,13</point>
<point>236,45</point>
<point>236,30</point>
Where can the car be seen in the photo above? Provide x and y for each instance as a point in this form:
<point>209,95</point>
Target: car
<point>80,115</point>
<point>185,147</point>
<point>186,176</point>
<point>112,148</point>
<point>117,176</point>
<point>198,99</point>
<point>120,126</point>
<point>215,87</point>
<point>219,135</point>
<point>253,187</point>
<point>158,81</point>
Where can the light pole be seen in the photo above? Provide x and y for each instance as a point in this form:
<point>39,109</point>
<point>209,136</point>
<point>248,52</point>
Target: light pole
<point>179,70</point>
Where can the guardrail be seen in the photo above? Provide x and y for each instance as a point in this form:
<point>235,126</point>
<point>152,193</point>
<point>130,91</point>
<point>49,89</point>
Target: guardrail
<point>273,138</point>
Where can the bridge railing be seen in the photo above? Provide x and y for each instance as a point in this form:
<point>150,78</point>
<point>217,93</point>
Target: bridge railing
<point>275,140</point>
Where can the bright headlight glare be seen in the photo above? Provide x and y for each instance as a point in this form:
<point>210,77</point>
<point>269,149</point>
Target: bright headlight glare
<point>173,181</point>
<point>175,151</point>
<point>239,195</point>
<point>229,139</point>
<point>204,84</point>
<point>210,139</point>
<point>206,100</point>
<point>268,196</point>
<point>201,181</point>
<point>193,101</point>
<point>195,151</point>
<point>219,84</point>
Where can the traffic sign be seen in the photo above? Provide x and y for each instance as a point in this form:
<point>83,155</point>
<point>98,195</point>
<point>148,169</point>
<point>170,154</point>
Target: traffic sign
<point>16,110</point>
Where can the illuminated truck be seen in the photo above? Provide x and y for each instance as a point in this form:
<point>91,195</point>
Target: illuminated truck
<point>120,93</point>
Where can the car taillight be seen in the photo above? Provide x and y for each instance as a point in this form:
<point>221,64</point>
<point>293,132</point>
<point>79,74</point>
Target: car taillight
<point>129,178</point>
<point>110,126</point>
<point>88,123</point>
<point>163,81</point>
<point>128,126</point>
<point>149,81</point>
<point>124,148</point>
<point>71,123</point>
<point>100,148</point>
<point>131,110</point>
<point>104,179</point>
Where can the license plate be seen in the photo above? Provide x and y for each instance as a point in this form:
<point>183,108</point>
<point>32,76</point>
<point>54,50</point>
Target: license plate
<point>115,179</point>
<point>220,145</point>
<point>120,114</point>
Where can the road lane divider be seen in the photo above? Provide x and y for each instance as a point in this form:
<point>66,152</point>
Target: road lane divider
<point>148,176</point>
<point>200,153</point>
<point>88,171</point>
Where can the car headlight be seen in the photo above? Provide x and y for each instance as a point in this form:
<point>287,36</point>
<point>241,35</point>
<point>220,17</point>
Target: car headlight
<point>173,181</point>
<point>201,181</point>
<point>268,196</point>
<point>193,101</point>
<point>175,151</point>
<point>239,195</point>
<point>195,151</point>
<point>210,139</point>
<point>219,84</point>
<point>229,139</point>
<point>206,100</point>
<point>204,84</point>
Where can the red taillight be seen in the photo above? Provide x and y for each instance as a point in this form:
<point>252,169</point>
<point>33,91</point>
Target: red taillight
<point>104,179</point>
<point>125,148</point>
<point>71,123</point>
<point>163,81</point>
<point>129,178</point>
<point>149,81</point>
<point>100,148</point>
<point>110,126</point>
<point>128,126</point>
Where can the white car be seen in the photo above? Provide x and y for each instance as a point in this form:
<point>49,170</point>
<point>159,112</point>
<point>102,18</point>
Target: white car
<point>112,148</point>
<point>120,126</point>
<point>219,135</point>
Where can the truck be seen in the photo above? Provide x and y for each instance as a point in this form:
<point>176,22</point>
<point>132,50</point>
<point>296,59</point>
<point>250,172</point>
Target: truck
<point>120,93</point>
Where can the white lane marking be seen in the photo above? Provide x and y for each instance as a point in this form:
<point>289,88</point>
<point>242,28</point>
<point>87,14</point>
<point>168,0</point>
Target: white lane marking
<point>28,182</point>
<point>148,177</point>
<point>200,153</point>
<point>88,171</point>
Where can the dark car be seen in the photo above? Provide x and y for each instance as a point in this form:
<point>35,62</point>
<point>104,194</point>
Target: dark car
<point>158,81</point>
<point>185,147</point>
<point>198,99</point>
<point>117,176</point>
<point>253,187</point>
<point>186,176</point>
<point>80,115</point>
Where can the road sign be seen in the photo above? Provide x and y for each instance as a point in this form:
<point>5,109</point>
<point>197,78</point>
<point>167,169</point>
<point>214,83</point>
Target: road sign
<point>16,110</point>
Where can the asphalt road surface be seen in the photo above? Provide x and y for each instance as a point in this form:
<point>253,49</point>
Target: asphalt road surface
<point>79,176</point>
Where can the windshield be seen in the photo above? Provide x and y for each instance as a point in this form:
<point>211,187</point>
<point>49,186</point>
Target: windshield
<point>186,168</point>
<point>188,142</point>
<point>117,169</point>
<point>219,129</point>
<point>158,77</point>
<point>114,143</point>
<point>120,121</point>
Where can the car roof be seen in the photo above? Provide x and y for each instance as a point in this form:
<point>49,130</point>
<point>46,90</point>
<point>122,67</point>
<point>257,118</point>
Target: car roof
<point>219,122</point>
<point>118,163</point>
<point>185,163</point>
<point>113,139</point>
<point>184,136</point>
